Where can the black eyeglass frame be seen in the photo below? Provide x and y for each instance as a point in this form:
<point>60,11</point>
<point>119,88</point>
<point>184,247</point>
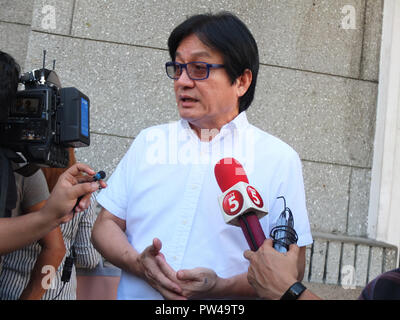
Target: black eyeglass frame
<point>184,66</point>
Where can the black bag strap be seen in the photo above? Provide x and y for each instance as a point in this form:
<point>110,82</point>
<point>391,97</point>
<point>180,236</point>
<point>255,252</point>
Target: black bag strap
<point>8,189</point>
<point>27,170</point>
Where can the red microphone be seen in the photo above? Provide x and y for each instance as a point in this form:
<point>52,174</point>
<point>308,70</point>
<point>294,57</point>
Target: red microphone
<point>241,203</point>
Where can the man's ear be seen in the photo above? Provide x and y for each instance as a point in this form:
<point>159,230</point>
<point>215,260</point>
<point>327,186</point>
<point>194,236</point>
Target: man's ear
<point>243,82</point>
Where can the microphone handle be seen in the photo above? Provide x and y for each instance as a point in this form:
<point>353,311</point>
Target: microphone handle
<point>252,230</point>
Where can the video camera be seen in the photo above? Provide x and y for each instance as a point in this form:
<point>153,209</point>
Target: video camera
<point>45,119</point>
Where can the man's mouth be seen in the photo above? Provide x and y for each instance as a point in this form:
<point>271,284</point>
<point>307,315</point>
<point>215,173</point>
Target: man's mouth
<point>188,99</point>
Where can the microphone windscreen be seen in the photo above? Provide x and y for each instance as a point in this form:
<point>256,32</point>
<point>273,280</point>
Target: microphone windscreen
<point>228,172</point>
<point>102,174</point>
<point>99,176</point>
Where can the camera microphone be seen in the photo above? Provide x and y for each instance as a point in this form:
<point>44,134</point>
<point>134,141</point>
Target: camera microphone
<point>42,75</point>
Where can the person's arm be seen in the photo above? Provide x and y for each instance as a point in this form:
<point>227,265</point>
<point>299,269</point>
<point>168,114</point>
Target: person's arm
<point>86,256</point>
<point>34,191</point>
<point>108,237</point>
<point>272,273</point>
<point>20,231</point>
<point>205,283</point>
<point>52,253</point>
<point>309,295</point>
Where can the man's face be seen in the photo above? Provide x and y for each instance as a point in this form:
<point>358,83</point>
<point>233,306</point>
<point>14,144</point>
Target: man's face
<point>209,103</point>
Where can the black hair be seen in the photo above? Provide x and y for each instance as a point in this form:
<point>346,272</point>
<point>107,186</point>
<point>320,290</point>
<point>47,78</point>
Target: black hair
<point>9,77</point>
<point>227,34</point>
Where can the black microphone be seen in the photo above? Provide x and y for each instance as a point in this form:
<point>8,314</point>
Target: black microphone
<point>98,176</point>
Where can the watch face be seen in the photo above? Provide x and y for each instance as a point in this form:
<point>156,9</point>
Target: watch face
<point>294,292</point>
<point>298,288</point>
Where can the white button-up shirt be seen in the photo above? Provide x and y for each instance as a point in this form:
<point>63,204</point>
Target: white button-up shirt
<point>165,187</point>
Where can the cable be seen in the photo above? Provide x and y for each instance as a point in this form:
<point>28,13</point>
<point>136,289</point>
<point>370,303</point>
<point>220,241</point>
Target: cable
<point>289,236</point>
<point>284,234</point>
<point>249,231</point>
<point>62,288</point>
<point>69,261</point>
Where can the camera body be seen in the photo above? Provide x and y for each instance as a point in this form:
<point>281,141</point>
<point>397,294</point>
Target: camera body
<point>46,120</point>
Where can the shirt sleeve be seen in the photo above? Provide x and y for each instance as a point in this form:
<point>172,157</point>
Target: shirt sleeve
<point>115,197</point>
<point>34,190</point>
<point>386,286</point>
<point>289,184</point>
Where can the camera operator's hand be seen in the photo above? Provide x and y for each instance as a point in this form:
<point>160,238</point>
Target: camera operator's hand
<point>70,186</point>
<point>20,231</point>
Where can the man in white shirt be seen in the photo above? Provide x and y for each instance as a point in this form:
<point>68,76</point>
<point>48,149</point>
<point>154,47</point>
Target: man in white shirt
<point>161,222</point>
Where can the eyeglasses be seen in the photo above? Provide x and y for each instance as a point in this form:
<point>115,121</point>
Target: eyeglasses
<point>196,70</point>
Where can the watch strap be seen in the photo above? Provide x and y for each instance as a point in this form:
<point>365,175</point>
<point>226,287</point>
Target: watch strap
<point>294,292</point>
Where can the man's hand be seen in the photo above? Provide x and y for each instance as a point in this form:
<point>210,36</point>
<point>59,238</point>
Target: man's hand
<point>197,283</point>
<point>158,273</point>
<point>70,186</point>
<point>270,272</point>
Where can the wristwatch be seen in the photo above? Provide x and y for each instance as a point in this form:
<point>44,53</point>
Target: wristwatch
<point>294,292</point>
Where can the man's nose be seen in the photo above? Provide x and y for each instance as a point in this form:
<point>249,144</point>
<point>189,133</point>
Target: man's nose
<point>184,79</point>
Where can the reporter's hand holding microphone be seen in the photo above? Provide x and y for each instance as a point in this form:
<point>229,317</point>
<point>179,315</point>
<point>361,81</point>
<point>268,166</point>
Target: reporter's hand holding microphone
<point>71,187</point>
<point>274,271</point>
<point>271,273</point>
<point>20,231</point>
<point>274,275</point>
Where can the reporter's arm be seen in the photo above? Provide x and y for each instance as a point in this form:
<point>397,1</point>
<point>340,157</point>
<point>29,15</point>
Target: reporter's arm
<point>309,295</point>
<point>239,285</point>
<point>272,273</point>
<point>20,231</point>
<point>205,283</point>
<point>51,254</point>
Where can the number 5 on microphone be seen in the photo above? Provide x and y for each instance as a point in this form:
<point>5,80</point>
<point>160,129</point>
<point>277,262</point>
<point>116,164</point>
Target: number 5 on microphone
<point>233,202</point>
<point>238,200</point>
<point>255,196</point>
